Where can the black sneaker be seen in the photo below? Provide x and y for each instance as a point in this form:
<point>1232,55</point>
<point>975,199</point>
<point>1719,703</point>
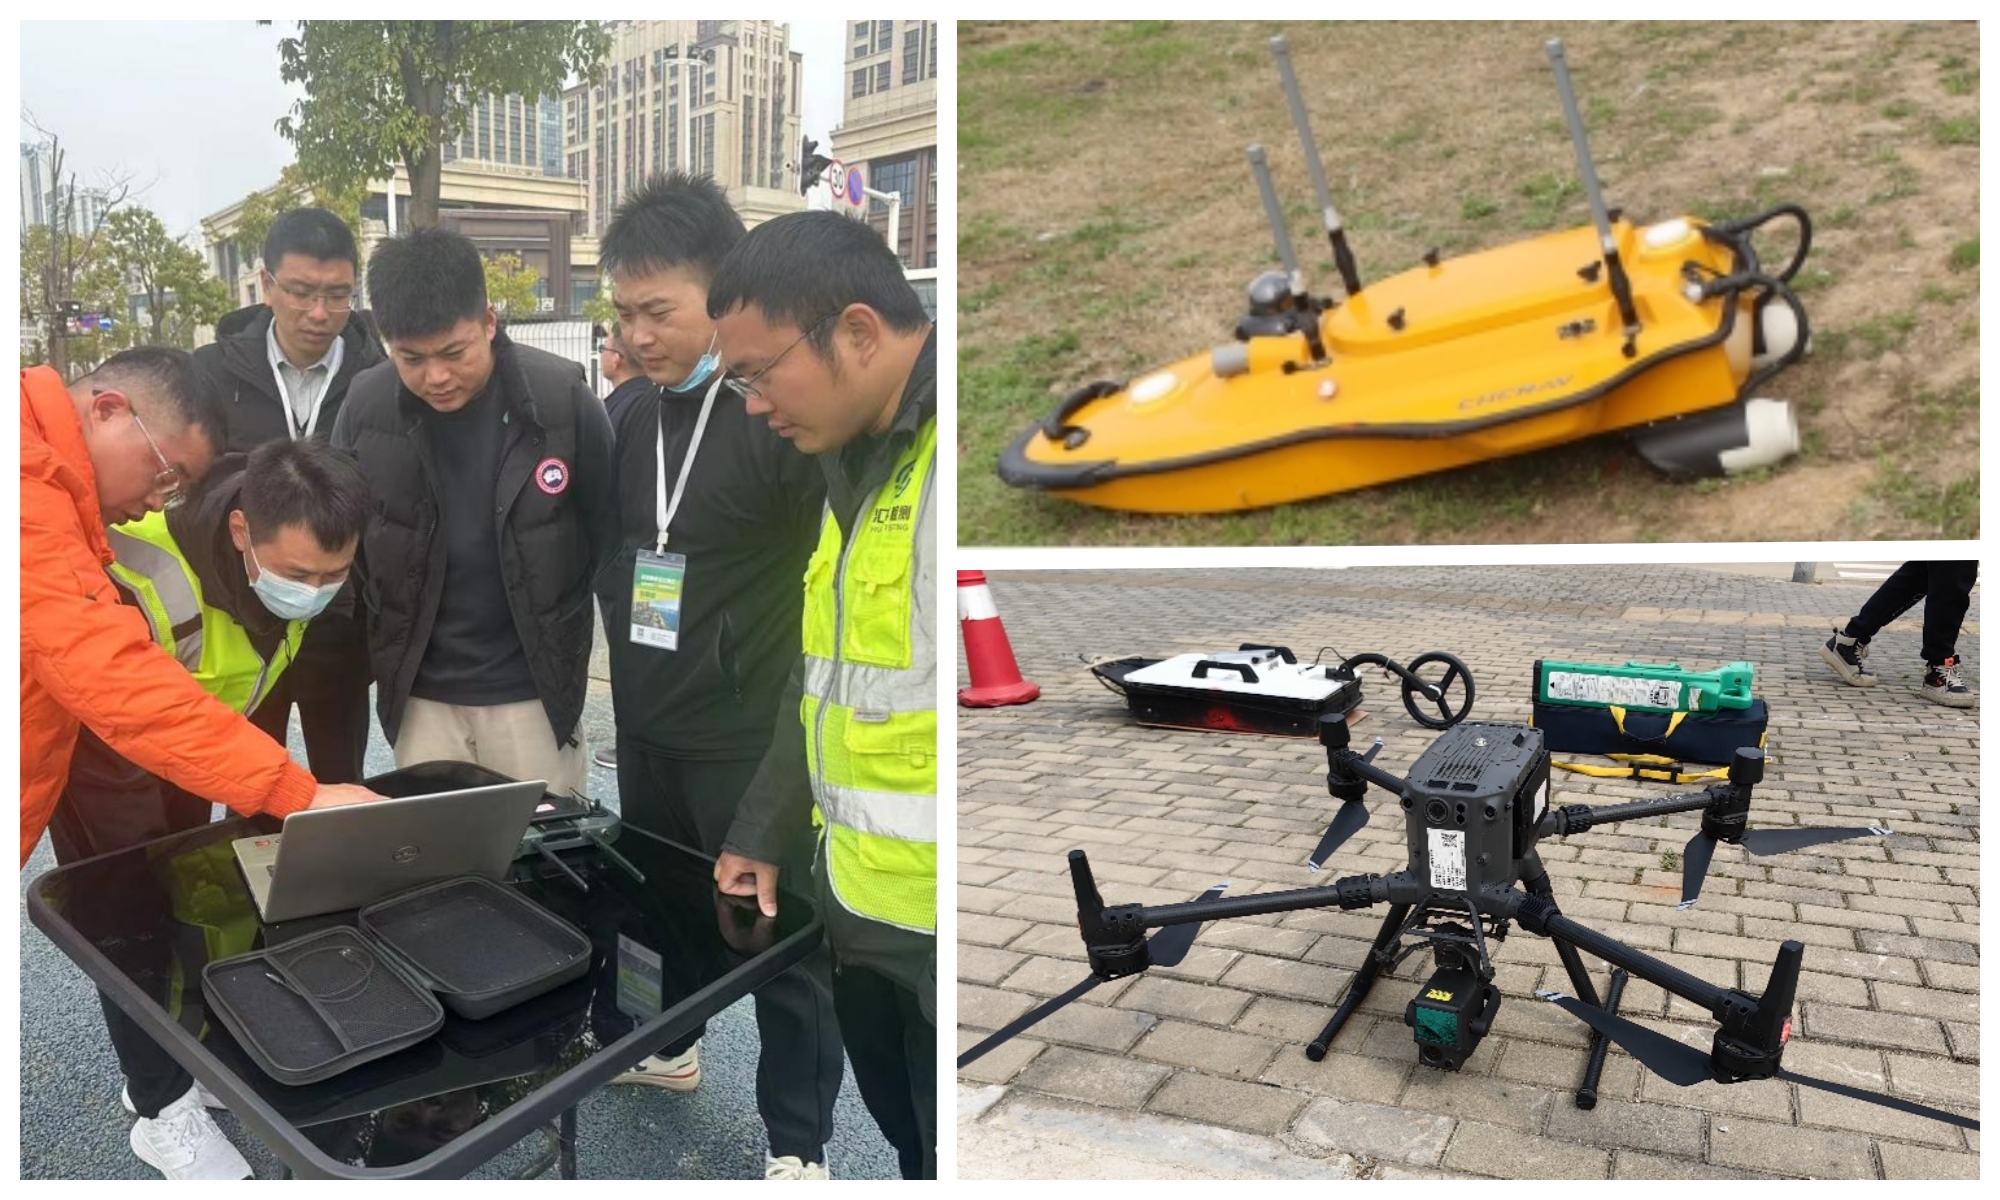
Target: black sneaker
<point>1942,685</point>
<point>1845,656</point>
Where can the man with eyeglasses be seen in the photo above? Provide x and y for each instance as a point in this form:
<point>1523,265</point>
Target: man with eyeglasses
<point>125,440</point>
<point>228,584</point>
<point>828,343</point>
<point>282,371</point>
<point>717,518</point>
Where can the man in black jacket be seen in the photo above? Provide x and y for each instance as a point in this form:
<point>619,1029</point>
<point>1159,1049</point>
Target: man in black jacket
<point>282,371</point>
<point>825,338</point>
<point>494,507</point>
<point>710,498</point>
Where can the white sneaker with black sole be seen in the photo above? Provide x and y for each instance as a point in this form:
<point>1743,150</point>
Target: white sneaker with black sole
<point>208,1099</point>
<point>184,1142</point>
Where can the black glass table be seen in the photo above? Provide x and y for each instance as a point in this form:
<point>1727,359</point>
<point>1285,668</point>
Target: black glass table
<point>668,952</point>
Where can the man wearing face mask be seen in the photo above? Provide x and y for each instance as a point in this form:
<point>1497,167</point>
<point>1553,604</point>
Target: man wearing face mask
<point>717,517</point>
<point>227,584</point>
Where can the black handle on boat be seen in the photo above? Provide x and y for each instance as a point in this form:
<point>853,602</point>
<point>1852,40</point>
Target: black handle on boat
<point>1283,652</point>
<point>1057,427</point>
<point>1742,227</point>
<point>1201,669</point>
<point>1621,287</point>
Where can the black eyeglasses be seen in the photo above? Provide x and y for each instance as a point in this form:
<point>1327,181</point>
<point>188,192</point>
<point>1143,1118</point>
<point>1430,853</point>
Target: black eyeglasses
<point>304,298</point>
<point>747,388</point>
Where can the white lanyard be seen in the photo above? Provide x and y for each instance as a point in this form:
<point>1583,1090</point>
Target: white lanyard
<point>332,365</point>
<point>664,508</point>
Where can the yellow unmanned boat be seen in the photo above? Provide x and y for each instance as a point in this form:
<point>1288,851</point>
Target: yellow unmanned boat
<point>1665,330</point>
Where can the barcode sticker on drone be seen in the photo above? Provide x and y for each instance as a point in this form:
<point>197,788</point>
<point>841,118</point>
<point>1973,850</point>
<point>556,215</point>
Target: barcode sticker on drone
<point>1614,689</point>
<point>1448,859</point>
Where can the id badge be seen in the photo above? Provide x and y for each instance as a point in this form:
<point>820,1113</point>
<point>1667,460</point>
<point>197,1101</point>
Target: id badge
<point>656,599</point>
<point>640,981</point>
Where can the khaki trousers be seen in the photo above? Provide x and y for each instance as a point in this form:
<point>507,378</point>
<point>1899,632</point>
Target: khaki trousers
<point>513,739</point>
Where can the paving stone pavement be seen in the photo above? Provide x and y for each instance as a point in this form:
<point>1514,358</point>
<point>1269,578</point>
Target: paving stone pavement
<point>1889,996</point>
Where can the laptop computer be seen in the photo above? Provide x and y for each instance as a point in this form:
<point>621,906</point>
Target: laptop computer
<point>333,859</point>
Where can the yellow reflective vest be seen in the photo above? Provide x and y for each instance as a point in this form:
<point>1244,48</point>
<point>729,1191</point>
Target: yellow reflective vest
<point>210,643</point>
<point>870,703</point>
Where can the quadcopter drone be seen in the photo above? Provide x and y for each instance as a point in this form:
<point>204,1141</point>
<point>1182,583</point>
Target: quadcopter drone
<point>1476,804</point>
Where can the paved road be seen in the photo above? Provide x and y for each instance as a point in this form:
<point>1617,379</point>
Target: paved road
<point>1197,1071</point>
<point>73,1128</point>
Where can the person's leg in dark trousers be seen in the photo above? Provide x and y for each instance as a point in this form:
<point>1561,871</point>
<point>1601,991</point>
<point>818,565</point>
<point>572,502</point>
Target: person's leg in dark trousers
<point>329,683</point>
<point>893,1051</point>
<point>1897,595</point>
<point>692,802</point>
<point>109,805</point>
<point>1947,594</point>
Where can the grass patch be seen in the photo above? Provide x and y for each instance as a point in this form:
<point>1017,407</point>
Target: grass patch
<point>1878,335</point>
<point>1812,280</point>
<point>1898,110</point>
<point>1956,131</point>
<point>1961,83</point>
<point>1965,255</point>
<point>1949,509</point>
<point>1475,207</point>
<point>1547,195</point>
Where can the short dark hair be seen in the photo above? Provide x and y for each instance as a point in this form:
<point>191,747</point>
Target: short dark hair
<point>798,268</point>
<point>305,482</point>
<point>673,220</point>
<point>313,232</point>
<point>425,282</point>
<point>167,384</point>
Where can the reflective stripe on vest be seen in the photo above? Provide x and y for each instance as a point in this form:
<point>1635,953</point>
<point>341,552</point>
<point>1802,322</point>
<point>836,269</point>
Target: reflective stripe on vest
<point>165,587</point>
<point>213,647</point>
<point>870,704</point>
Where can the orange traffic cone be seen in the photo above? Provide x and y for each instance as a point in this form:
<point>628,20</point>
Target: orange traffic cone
<point>996,677</point>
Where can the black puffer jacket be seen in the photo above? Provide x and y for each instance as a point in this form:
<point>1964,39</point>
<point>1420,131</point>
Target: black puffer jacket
<point>555,496</point>
<point>237,367</point>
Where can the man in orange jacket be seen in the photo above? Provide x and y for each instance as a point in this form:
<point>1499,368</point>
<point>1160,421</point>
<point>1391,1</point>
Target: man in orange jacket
<point>127,439</point>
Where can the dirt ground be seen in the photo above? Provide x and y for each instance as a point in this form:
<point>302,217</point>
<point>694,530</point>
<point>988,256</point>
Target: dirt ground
<point>1108,223</point>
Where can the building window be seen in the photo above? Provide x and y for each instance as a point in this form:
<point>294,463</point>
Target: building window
<point>934,49</point>
<point>882,77</point>
<point>885,37</point>
<point>861,82</point>
<point>913,54</point>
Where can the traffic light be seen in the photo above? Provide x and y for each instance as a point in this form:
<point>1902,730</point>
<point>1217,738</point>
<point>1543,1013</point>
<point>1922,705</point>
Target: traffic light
<point>811,164</point>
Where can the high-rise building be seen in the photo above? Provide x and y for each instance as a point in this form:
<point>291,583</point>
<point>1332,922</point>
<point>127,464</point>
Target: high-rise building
<point>508,133</point>
<point>36,170</point>
<point>717,98</point>
<point>888,126</point>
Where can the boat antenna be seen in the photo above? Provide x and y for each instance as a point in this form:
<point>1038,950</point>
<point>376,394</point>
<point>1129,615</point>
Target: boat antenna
<point>1621,287</point>
<point>1343,258</point>
<point>1261,168</point>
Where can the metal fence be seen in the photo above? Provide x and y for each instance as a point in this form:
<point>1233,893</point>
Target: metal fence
<point>566,337</point>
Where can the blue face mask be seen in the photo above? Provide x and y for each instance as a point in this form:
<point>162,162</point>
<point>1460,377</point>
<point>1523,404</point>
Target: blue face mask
<point>702,372</point>
<point>288,598</point>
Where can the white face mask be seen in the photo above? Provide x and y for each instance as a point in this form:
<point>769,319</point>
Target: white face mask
<point>288,598</point>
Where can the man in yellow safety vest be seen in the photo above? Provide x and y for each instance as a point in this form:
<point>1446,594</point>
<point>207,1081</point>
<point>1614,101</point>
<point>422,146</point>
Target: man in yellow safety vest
<point>824,338</point>
<point>227,583</point>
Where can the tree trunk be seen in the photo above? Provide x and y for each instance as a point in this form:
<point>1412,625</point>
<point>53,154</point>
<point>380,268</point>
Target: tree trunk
<point>426,170</point>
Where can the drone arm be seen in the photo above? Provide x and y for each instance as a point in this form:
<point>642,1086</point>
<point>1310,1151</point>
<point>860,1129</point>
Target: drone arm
<point>1540,916</point>
<point>1577,818</point>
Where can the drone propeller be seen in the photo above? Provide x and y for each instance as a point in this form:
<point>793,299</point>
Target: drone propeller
<point>1347,821</point>
<point>1681,1064</point>
<point>1701,849</point>
<point>1166,949</point>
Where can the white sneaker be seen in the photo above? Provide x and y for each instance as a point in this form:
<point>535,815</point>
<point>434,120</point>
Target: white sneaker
<point>184,1142</point>
<point>792,1167</point>
<point>208,1099</point>
<point>681,1073</point>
